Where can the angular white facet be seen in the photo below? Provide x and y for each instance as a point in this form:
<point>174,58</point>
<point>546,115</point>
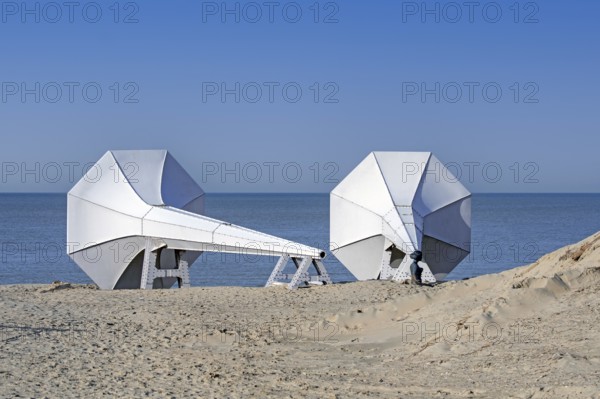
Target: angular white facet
<point>422,206</point>
<point>366,175</point>
<point>451,224</point>
<point>133,200</point>
<point>408,173</point>
<point>364,222</point>
<point>439,188</point>
<point>368,253</point>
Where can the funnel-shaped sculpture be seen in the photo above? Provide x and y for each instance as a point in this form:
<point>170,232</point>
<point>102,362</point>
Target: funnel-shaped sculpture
<point>394,203</point>
<point>135,221</point>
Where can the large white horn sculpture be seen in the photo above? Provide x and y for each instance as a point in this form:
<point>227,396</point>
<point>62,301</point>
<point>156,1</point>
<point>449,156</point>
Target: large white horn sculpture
<point>134,221</point>
<point>394,203</point>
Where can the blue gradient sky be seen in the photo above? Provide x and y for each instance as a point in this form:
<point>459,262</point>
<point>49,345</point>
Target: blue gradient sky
<point>369,53</point>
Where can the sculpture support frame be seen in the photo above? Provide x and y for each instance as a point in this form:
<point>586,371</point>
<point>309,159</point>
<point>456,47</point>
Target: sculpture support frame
<point>151,271</point>
<point>302,275</point>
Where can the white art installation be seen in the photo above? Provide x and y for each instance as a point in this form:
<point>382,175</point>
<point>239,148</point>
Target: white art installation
<point>394,204</point>
<point>135,221</point>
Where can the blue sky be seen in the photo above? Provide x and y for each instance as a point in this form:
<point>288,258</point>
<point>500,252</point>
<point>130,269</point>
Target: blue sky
<point>361,68</point>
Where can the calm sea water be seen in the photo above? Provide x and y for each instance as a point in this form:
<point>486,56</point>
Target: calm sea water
<point>509,230</point>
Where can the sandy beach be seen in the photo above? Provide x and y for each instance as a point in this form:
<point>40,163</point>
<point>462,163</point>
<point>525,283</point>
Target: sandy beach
<point>530,332</point>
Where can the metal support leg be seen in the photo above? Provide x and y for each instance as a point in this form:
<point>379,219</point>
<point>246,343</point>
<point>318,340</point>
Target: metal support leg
<point>403,273</point>
<point>182,265</point>
<point>150,272</point>
<point>277,271</point>
<point>386,269</point>
<point>149,266</point>
<point>302,275</point>
<point>322,272</point>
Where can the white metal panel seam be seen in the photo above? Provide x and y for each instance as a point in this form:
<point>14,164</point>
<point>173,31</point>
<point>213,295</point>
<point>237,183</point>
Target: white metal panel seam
<point>384,179</point>
<point>354,242</point>
<point>103,206</point>
<point>144,217</point>
<point>358,205</point>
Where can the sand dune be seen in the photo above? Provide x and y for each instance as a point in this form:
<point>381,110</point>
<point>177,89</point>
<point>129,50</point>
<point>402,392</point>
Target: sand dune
<point>530,332</point>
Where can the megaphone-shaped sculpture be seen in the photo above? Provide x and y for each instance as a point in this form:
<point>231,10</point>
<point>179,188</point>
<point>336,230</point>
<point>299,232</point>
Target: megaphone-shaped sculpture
<point>394,204</point>
<point>135,221</point>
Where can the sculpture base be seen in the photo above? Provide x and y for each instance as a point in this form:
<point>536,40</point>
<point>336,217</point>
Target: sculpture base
<point>301,276</point>
<point>151,272</point>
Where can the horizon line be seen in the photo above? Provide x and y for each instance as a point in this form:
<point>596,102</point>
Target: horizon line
<point>322,192</point>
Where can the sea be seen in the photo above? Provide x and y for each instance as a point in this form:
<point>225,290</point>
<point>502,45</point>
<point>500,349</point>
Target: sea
<point>508,230</point>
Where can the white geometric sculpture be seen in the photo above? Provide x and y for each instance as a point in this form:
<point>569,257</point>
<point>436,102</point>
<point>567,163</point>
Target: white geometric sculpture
<point>134,221</point>
<point>394,203</point>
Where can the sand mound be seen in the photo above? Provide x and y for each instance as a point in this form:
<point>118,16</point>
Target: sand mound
<point>579,256</point>
<point>470,315</point>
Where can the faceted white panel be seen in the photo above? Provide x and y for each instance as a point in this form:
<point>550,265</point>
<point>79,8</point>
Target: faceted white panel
<point>144,171</point>
<point>344,230</point>
<point>451,224</point>
<point>439,188</point>
<point>366,174</point>
<point>402,177</point>
<point>363,258</point>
